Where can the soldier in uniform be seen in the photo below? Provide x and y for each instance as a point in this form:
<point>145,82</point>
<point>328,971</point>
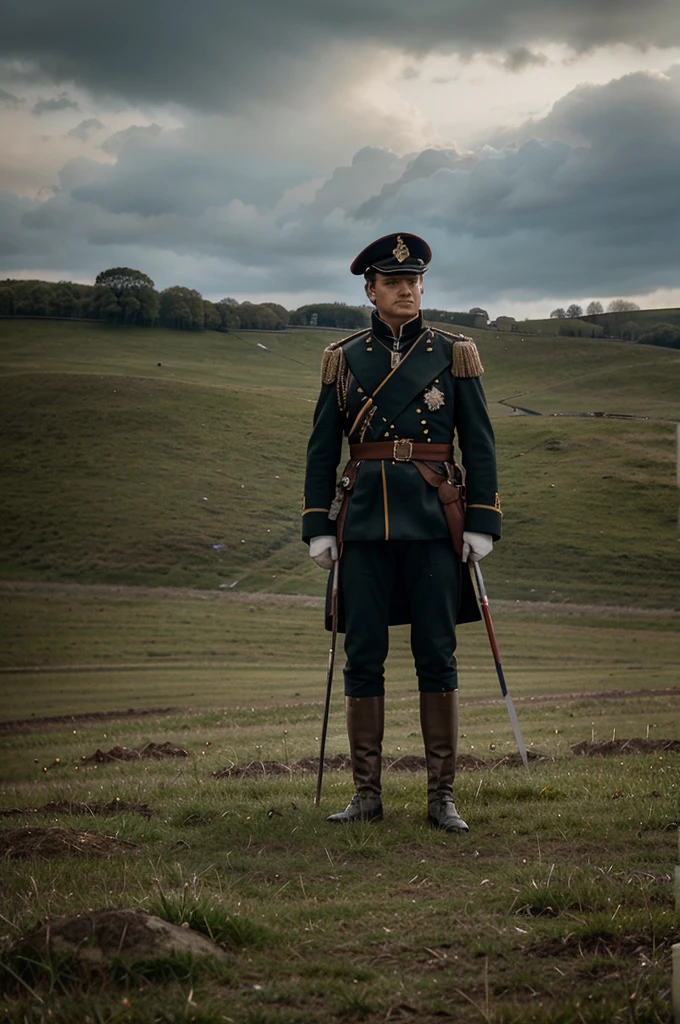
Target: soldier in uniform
<point>400,391</point>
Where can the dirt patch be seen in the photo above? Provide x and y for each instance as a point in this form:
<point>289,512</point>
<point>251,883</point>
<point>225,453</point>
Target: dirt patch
<point>341,762</point>
<point>21,725</point>
<point>21,843</point>
<point>100,936</point>
<point>612,748</point>
<point>95,809</point>
<point>155,751</point>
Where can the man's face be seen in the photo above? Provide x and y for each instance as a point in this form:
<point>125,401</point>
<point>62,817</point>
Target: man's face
<point>397,297</point>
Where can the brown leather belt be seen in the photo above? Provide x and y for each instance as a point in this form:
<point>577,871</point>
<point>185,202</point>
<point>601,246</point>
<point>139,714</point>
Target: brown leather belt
<point>402,450</point>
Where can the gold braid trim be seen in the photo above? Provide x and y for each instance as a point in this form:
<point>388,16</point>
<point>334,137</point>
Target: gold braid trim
<point>465,361</point>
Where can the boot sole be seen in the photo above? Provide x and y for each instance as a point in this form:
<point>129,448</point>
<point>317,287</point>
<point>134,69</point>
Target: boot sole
<point>339,819</point>
<point>433,823</point>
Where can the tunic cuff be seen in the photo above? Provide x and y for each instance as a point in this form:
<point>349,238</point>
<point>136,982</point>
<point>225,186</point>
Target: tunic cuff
<point>315,523</point>
<point>479,519</point>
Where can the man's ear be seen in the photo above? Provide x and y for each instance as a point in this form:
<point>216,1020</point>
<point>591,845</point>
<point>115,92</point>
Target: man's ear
<point>369,288</point>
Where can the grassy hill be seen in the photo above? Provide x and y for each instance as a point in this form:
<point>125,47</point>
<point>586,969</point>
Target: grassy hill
<point>161,457</point>
<point>611,323</point>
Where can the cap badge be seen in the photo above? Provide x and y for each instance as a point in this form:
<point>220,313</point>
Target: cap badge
<point>400,251</point>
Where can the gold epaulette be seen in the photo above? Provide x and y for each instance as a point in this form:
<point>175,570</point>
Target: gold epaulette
<point>465,361</point>
<point>332,357</point>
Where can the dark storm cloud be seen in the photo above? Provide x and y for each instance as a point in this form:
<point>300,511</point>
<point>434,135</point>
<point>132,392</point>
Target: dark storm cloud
<point>162,173</point>
<point>597,212</point>
<point>583,202</point>
<point>522,57</point>
<point>118,140</point>
<point>8,101</point>
<point>215,55</point>
<point>54,104</point>
<point>85,129</point>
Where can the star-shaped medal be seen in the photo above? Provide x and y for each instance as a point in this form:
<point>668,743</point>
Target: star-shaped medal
<point>433,398</point>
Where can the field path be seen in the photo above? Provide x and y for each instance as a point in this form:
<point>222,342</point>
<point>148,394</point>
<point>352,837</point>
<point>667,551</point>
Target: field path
<point>128,593</point>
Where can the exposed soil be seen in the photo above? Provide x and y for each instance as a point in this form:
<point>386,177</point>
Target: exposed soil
<point>341,762</point>
<point>155,751</point>
<point>612,748</point>
<point>121,934</point>
<point>116,806</point>
<point>21,843</point>
<point>39,724</point>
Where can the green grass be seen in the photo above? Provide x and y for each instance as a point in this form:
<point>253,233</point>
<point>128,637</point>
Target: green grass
<point>558,905</point>
<point>190,475</point>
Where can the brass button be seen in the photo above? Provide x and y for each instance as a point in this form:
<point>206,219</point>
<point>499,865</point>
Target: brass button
<point>429,440</point>
<point>423,422</point>
<point>360,391</point>
<point>436,380</point>
<point>426,432</point>
<point>419,411</point>
<point>391,426</point>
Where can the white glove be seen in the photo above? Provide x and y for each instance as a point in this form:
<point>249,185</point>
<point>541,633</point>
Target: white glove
<point>476,546</point>
<point>324,551</point>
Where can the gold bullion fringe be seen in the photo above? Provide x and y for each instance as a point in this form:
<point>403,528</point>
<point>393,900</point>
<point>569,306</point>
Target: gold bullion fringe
<point>465,361</point>
<point>329,365</point>
<point>332,356</point>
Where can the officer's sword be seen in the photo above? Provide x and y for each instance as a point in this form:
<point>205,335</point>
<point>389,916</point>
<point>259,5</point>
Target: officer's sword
<point>499,668</point>
<point>329,680</point>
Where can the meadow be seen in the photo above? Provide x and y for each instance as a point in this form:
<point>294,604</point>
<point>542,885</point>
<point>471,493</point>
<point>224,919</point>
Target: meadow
<point>153,590</point>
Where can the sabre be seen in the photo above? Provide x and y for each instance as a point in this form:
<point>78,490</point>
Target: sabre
<point>329,679</point>
<point>499,668</point>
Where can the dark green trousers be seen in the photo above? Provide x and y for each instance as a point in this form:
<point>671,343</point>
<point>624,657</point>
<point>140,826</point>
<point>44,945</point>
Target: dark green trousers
<point>424,575</point>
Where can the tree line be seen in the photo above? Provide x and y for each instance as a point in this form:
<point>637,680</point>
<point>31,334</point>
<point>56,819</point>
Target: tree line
<point>594,309</point>
<point>128,297</point>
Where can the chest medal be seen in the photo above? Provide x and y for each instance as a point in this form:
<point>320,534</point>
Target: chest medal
<point>433,398</point>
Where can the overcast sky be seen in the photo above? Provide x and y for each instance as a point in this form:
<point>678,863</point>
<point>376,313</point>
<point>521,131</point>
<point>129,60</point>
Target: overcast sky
<point>252,150</point>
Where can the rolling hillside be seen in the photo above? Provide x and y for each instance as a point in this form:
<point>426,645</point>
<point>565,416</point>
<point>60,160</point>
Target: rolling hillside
<point>162,457</point>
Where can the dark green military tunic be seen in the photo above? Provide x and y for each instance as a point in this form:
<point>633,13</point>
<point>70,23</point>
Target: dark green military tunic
<point>432,395</point>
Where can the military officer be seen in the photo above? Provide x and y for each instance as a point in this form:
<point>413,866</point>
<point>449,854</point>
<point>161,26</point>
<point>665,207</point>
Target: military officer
<point>400,391</point>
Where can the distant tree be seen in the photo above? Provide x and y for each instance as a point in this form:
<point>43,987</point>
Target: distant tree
<point>123,279</point>
<point>64,300</point>
<point>332,314</point>
<point>622,306</point>
<point>212,321</point>
<point>126,296</point>
<point>594,308</point>
<point>182,308</point>
<point>574,311</point>
<point>36,301</point>
<point>6,302</point>
<point>280,312</point>
<point>666,335</point>
<point>478,311</point>
<point>630,331</point>
<point>228,313</point>
<point>255,317</point>
<point>558,314</point>
<point>448,316</point>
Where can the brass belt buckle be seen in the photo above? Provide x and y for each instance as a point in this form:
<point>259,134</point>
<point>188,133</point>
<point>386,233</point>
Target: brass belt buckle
<point>402,450</point>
